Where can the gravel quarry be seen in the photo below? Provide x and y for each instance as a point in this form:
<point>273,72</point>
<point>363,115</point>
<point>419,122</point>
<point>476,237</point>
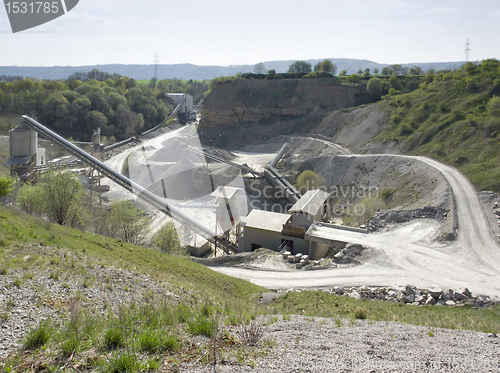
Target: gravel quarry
<point>458,249</point>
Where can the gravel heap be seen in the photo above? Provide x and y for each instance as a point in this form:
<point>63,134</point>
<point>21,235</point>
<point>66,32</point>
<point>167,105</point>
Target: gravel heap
<point>386,217</point>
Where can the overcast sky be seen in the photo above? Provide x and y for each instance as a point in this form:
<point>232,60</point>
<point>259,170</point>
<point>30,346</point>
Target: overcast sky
<point>222,32</point>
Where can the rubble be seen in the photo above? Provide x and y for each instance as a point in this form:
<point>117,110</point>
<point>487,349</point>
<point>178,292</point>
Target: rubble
<point>412,295</point>
<point>386,217</point>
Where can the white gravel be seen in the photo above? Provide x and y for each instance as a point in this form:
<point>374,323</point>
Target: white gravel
<point>304,344</point>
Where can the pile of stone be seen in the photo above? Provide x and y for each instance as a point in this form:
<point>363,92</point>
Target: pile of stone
<point>496,211</point>
<point>348,254</point>
<point>413,296</point>
<point>299,260</point>
<point>385,217</point>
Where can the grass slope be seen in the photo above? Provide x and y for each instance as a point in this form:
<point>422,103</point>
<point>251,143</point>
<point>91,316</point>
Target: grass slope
<point>452,117</point>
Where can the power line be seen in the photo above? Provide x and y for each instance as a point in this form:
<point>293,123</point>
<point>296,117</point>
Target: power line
<point>467,50</point>
<point>156,61</point>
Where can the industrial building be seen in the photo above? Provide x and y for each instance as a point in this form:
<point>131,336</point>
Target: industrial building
<point>25,155</point>
<point>295,231</point>
<point>186,111</point>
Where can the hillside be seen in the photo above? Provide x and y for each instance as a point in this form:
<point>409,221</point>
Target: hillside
<point>196,72</point>
<point>455,117</point>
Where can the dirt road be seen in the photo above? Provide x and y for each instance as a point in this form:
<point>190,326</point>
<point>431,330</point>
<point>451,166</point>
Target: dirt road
<point>407,254</point>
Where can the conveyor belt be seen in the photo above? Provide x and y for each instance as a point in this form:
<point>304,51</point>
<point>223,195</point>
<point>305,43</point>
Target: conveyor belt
<point>150,198</point>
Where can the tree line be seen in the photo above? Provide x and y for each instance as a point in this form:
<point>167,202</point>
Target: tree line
<point>87,101</point>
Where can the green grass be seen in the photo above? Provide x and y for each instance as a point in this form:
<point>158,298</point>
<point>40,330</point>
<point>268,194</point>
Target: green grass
<point>37,337</point>
<point>451,119</point>
<point>319,304</point>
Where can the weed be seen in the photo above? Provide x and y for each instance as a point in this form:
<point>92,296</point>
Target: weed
<point>201,326</point>
<point>4,271</point>
<point>430,334</point>
<point>17,282</point>
<point>251,333</point>
<point>124,362</point>
<point>360,314</point>
<point>338,322</point>
<point>114,338</point>
<point>37,337</point>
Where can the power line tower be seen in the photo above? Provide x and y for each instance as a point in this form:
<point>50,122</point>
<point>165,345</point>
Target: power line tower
<point>467,50</point>
<point>156,61</point>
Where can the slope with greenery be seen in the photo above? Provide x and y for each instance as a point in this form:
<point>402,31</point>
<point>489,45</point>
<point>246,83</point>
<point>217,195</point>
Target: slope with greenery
<point>453,117</point>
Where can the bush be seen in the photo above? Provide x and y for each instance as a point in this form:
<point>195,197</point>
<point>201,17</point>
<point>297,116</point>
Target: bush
<point>6,185</point>
<point>494,106</point>
<point>309,180</point>
<point>386,193</point>
<point>37,337</point>
<point>167,240</point>
<point>114,338</point>
<point>201,326</point>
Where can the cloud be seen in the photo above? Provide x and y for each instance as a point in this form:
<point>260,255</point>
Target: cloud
<point>443,11</point>
<point>495,14</point>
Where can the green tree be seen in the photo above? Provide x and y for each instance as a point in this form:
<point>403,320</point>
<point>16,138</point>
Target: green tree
<point>6,185</point>
<point>415,70</point>
<point>366,73</point>
<point>29,199</point>
<point>167,240</point>
<point>259,68</point>
<point>309,180</point>
<point>375,71</point>
<point>62,197</point>
<point>494,106</point>
<point>343,73</point>
<point>271,74</point>
<point>300,67</point>
<point>374,88</point>
<point>359,72</point>
<point>353,78</point>
<point>326,66</point>
<point>128,222</point>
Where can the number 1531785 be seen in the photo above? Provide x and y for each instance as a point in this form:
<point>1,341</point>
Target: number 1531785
<point>33,7</point>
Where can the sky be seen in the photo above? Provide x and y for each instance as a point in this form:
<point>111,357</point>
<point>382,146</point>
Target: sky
<point>222,32</point>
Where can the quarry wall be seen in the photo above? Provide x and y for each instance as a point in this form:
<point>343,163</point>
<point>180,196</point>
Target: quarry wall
<point>233,103</point>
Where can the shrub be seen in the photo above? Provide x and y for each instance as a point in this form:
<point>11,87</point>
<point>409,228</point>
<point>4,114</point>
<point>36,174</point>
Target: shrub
<point>201,326</point>
<point>124,362</point>
<point>114,338</point>
<point>37,337</point>
<point>252,332</point>
<point>494,106</point>
<point>386,193</point>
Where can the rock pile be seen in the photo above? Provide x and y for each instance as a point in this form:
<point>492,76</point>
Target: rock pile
<point>385,217</point>
<point>414,296</point>
<point>349,254</point>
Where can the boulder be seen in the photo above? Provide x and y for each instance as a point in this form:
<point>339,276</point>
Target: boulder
<point>466,292</point>
<point>298,266</point>
<point>286,254</point>
<point>435,293</point>
<point>450,303</point>
<point>448,295</point>
<point>339,290</point>
<point>460,296</point>
<point>411,298</point>
<point>430,300</point>
<point>410,290</point>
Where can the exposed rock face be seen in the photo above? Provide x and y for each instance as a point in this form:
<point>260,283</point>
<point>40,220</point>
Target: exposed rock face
<point>231,104</point>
